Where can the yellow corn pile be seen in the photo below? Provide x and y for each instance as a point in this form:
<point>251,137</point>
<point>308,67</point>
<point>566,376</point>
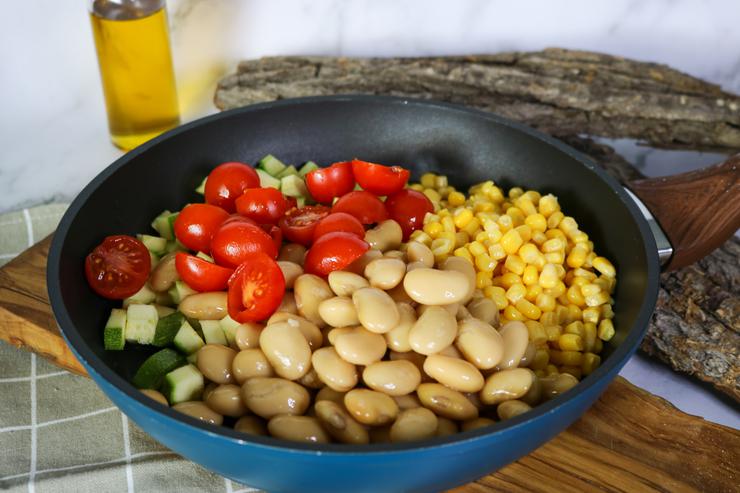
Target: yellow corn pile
<point>533,262</point>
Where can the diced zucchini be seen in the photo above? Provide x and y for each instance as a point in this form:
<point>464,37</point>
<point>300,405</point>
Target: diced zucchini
<point>141,323</point>
<point>175,246</point>
<point>155,244</point>
<point>307,168</point>
<point>192,358</point>
<point>205,257</point>
<point>144,296</point>
<point>163,224</point>
<point>195,324</point>
<point>180,290</point>
<point>183,384</point>
<point>154,369</point>
<point>293,186</point>
<point>202,187</point>
<point>271,164</point>
<point>187,339</point>
<point>113,334</point>
<point>163,311</point>
<point>267,180</point>
<point>167,329</point>
<point>213,332</point>
<point>290,170</point>
<point>229,326</point>
<point>300,201</point>
<point>153,258</point>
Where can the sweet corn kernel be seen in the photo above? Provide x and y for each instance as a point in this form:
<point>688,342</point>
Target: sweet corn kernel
<point>549,276</point>
<point>511,241</point>
<point>462,217</point>
<point>515,192</point>
<point>433,229</point>
<point>537,335</point>
<point>563,300</point>
<point>440,181</point>
<point>598,345</point>
<point>549,318</point>
<point>509,279</point>
<point>578,237</point>
<point>538,238</point>
<point>442,213</point>
<point>516,215</point>
<point>574,313</point>
<point>540,360</point>
<point>597,299</point>
<point>421,237</point>
<point>590,289</point>
<point>461,239</point>
<point>464,253</point>
<point>577,255</point>
<point>533,195</point>
<point>525,232</point>
<point>476,248</point>
<point>551,370</point>
<point>529,253</point>
<point>442,246</point>
<point>548,205</point>
<point>530,275</point>
<point>589,259</point>
<point>562,312</point>
<point>565,357</point>
<point>525,205</point>
<point>576,328</point>
<point>483,280</point>
<point>432,194</point>
<point>515,264</point>
<point>604,266</point>
<point>587,274</point>
<point>540,373</point>
<point>558,290</point>
<point>528,309</point>
<point>567,224</point>
<point>516,292</point>
<point>606,329</point>
<point>579,281</point>
<point>556,233</point>
<point>496,251</point>
<point>505,223</point>
<point>511,313</point>
<point>428,180</point>
<point>447,234</point>
<point>555,257</point>
<point>545,302</point>
<point>417,186</point>
<point>445,191</point>
<point>607,311</point>
<point>496,195</point>
<point>589,336</point>
<point>553,245</point>
<point>472,227</point>
<point>485,263</point>
<point>591,314</point>
<point>554,219</point>
<point>553,332</point>
<point>572,370</point>
<point>456,198</point>
<point>533,292</point>
<point>497,295</point>
<point>448,224</point>
<point>480,206</point>
<point>573,294</point>
<point>590,362</point>
<point>570,342</point>
<point>537,222</point>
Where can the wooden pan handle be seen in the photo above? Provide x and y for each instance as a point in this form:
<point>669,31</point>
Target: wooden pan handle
<point>698,210</point>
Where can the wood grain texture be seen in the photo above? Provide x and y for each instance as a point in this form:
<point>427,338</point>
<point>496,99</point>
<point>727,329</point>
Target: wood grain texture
<point>561,92</point>
<point>698,210</point>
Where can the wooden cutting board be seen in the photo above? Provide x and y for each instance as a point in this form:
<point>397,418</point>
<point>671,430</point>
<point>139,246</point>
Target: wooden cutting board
<point>630,440</point>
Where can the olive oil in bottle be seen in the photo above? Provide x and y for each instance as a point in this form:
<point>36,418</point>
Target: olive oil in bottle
<point>131,39</point>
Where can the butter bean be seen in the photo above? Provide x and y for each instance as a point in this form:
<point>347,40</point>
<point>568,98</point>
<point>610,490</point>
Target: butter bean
<point>418,264</point>
<point>360,346</point>
<point>414,357</point>
<point>419,252</point>
<point>509,409</point>
<point>311,380</point>
<point>339,423</point>
<point>247,335</point>
<point>288,305</point>
<point>554,385</point>
<point>445,427</point>
<point>164,274</point>
<point>452,352</point>
<point>446,402</point>
<point>250,363</point>
<point>370,407</point>
<point>385,236</point>
<point>400,295</point>
<point>414,424</point>
<point>227,400</point>
<point>297,429</point>
<point>534,394</point>
<point>199,410</point>
<point>451,308</point>
<point>205,306</point>
<point>462,313</point>
<point>433,331</point>
<point>475,423</point>
<point>287,349</point>
<point>309,330</point>
<point>464,267</point>
<point>157,396</point>
<point>392,377</point>
<point>268,397</point>
<point>385,273</point>
<point>480,343</point>
<point>397,254</point>
<point>251,425</point>
<point>329,394</point>
<point>310,290</point>
<point>505,385</point>
<point>292,252</point>
<point>407,401</point>
<point>358,266</point>
<point>214,362</point>
<point>516,338</point>
<point>335,372</point>
<point>345,283</point>
<point>291,271</point>
<point>334,333</point>
<point>398,337</point>
<point>376,310</point>
<point>485,310</point>
<point>338,312</point>
<point>455,373</point>
<point>436,287</point>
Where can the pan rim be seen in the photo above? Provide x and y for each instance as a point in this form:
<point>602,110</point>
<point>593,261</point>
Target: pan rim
<point>96,366</point>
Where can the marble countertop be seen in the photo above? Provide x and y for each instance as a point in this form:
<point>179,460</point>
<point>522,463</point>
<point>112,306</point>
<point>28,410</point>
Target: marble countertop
<point>54,138</point>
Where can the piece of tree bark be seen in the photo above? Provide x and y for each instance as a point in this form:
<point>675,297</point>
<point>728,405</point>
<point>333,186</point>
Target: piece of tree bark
<point>561,92</point>
<point>695,325</point>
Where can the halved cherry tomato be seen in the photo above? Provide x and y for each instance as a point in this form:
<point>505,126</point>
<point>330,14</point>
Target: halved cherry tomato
<point>237,240</point>
<point>298,224</point>
<point>228,181</point>
<point>365,206</point>
<point>238,218</point>
<point>256,289</point>
<point>118,267</point>
<point>339,221</point>
<point>327,183</point>
<point>408,208</point>
<point>379,179</point>
<point>200,274</point>
<point>264,205</point>
<point>334,251</point>
<point>275,233</point>
<point>197,223</point>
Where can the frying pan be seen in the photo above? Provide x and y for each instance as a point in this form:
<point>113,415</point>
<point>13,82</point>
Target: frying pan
<point>468,146</point>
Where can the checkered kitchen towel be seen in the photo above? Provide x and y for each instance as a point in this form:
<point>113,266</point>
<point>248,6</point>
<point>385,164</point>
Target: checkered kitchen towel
<point>58,432</point>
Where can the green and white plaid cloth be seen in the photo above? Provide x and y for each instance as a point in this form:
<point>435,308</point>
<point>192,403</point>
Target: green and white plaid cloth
<point>59,432</point>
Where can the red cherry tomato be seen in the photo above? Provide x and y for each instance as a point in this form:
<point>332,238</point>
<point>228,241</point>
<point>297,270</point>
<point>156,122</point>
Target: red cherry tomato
<point>238,218</point>
<point>339,221</point>
<point>264,205</point>
<point>365,206</point>
<point>256,289</point>
<point>238,240</point>
<point>196,225</point>
<point>327,183</point>
<point>275,233</point>
<point>200,274</point>
<point>228,181</point>
<point>334,251</point>
<point>379,179</point>
<point>118,267</point>
<point>298,224</point>
<point>408,208</point>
